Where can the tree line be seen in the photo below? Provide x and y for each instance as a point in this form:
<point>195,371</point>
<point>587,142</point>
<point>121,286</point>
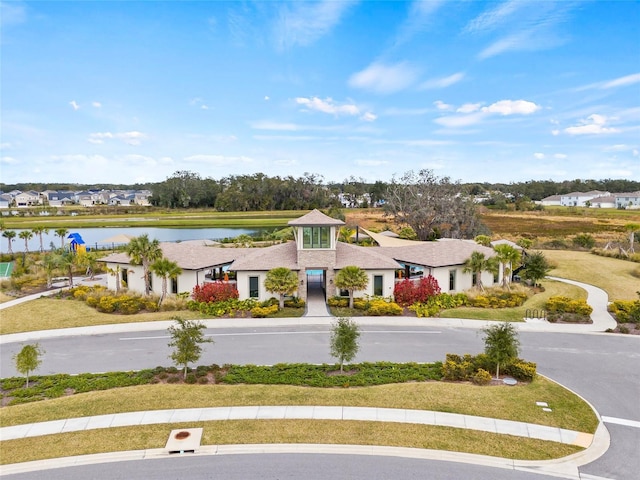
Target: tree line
<point>185,189</point>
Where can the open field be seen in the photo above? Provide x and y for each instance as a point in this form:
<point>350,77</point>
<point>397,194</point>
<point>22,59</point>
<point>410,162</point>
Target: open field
<point>513,403</point>
<point>619,278</point>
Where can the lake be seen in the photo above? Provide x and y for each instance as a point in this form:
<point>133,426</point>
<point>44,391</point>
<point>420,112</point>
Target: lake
<point>94,237</point>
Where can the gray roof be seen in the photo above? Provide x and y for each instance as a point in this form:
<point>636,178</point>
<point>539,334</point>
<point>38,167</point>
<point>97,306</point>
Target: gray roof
<point>441,253</point>
<point>282,255</point>
<point>315,218</point>
<point>363,257</point>
<point>189,256</point>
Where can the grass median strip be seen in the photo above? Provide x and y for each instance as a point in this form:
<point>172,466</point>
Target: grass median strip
<point>285,431</point>
<point>508,403</point>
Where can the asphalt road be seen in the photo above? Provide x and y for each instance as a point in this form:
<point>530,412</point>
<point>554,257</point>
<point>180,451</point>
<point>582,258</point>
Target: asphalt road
<point>604,369</point>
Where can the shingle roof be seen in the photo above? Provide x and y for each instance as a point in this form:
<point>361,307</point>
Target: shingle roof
<point>188,256</point>
<point>315,218</point>
<point>363,257</point>
<point>283,255</point>
<point>441,253</point>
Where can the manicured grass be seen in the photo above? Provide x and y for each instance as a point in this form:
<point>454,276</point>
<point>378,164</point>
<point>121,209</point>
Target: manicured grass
<point>619,278</point>
<point>285,431</point>
<point>49,313</point>
<point>509,403</point>
<point>537,301</point>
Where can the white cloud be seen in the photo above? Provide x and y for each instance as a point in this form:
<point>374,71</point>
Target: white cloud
<point>442,82</point>
<point>418,18</point>
<point>8,160</point>
<point>593,125</point>
<point>327,106</point>
<point>440,105</point>
<point>469,108</point>
<point>131,138</point>
<point>473,113</point>
<point>266,98</point>
<point>539,156</point>
<point>380,78</point>
<point>289,127</point>
<point>217,160</point>
<point>622,81</point>
<point>560,156</point>
<point>96,104</point>
<point>555,133</point>
<point>302,23</point>
<point>369,117</point>
<point>199,103</point>
<point>74,104</point>
<point>512,107</point>
<point>12,13</point>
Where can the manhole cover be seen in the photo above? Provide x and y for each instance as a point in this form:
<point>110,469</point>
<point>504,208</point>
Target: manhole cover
<point>509,381</point>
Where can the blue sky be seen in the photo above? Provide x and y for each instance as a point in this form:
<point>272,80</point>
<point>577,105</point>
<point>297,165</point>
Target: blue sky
<point>128,92</point>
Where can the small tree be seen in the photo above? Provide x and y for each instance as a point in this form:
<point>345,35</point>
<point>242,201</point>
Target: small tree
<point>536,267</point>
<point>10,235</point>
<point>62,233</point>
<point>507,256</point>
<point>478,263</point>
<point>352,278</point>
<point>143,251</point>
<point>186,339</point>
<point>28,360</point>
<point>344,340</point>
<point>26,235</point>
<point>501,343</point>
<point>282,281</point>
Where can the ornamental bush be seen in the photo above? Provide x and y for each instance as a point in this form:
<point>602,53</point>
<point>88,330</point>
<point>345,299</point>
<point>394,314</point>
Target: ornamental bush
<point>626,311</point>
<point>521,370</point>
<point>481,377</point>
<point>262,312</point>
<point>408,292</point>
<point>380,307</point>
<point>212,292</point>
<point>560,304</point>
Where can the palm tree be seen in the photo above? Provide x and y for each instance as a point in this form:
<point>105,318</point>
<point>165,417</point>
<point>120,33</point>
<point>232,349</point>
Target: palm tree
<point>50,262</point>
<point>62,233</point>
<point>477,264</point>
<point>9,235</point>
<point>88,260</point>
<point>345,233</point>
<point>66,260</point>
<point>352,278</point>
<point>507,256</point>
<point>282,281</point>
<point>26,235</point>
<point>39,230</point>
<point>143,251</point>
<point>165,268</point>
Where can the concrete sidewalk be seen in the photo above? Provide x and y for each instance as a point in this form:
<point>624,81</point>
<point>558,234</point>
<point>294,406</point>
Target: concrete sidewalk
<point>421,417</point>
<point>595,445</point>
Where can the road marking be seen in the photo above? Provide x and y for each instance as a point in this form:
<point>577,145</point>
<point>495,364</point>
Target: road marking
<point>247,334</point>
<point>621,421</point>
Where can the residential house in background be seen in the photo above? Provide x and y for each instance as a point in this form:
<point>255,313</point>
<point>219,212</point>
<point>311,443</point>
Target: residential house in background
<point>627,200</point>
<point>580,199</point>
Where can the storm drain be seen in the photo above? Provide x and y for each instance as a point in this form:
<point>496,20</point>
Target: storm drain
<point>184,440</point>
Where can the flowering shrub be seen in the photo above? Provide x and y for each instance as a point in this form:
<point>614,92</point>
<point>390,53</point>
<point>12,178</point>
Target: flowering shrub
<point>626,311</point>
<point>212,292</point>
<point>434,304</point>
<point>222,308</point>
<point>560,304</point>
<point>408,292</point>
<point>262,312</point>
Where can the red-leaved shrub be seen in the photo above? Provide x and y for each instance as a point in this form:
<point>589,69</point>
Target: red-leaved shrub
<point>212,292</point>
<point>408,292</point>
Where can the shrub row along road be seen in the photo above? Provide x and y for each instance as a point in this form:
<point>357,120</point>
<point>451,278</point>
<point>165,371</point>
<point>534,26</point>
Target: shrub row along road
<point>605,369</point>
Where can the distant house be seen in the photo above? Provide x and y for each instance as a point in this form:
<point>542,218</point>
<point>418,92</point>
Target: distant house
<point>580,199</point>
<point>59,199</point>
<point>627,200</point>
<point>551,201</point>
<point>27,199</point>
<point>315,251</point>
<point>605,201</point>
<point>5,200</point>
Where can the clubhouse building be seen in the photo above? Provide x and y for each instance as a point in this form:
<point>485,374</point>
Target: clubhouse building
<point>314,255</point>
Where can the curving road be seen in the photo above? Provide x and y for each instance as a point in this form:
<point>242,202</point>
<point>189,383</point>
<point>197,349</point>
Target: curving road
<point>603,368</point>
